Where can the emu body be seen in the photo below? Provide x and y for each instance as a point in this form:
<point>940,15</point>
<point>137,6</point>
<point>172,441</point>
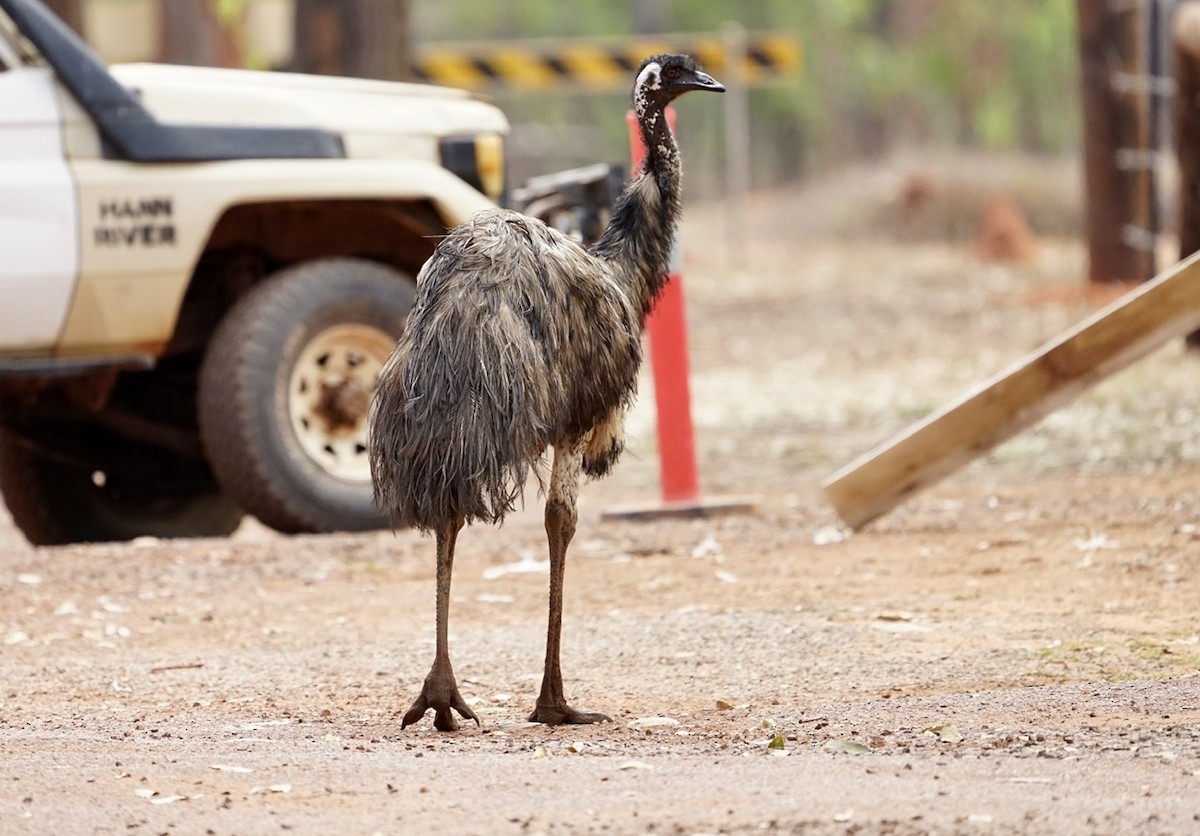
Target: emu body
<point>521,340</point>
<point>498,362</point>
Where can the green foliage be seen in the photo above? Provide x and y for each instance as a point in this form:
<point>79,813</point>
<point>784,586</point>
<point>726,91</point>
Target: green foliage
<point>1009,72</point>
<point>228,12</point>
<point>941,71</point>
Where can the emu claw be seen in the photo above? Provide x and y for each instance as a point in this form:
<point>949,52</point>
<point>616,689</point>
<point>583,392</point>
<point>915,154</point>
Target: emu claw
<point>440,692</point>
<point>559,714</point>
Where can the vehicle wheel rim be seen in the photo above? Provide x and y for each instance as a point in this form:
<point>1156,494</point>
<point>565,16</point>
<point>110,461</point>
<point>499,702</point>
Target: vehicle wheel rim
<point>329,397</point>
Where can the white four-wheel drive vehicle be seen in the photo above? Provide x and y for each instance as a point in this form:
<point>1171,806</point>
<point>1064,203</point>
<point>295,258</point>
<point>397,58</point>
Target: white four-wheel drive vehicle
<point>201,272</point>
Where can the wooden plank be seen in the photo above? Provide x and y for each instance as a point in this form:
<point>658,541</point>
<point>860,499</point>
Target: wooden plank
<point>1151,315</point>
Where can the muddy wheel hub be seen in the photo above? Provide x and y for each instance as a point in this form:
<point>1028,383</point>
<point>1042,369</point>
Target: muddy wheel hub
<point>329,397</point>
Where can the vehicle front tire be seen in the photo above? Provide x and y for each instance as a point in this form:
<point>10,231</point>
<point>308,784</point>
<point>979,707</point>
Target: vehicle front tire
<point>285,391</point>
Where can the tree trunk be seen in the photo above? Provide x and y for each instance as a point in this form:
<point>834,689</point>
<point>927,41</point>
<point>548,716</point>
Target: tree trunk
<point>362,38</point>
<point>192,34</point>
<point>1117,163</point>
<point>70,12</point>
<point>1185,37</point>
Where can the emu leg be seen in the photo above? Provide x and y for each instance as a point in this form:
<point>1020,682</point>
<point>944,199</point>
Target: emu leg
<point>561,516</point>
<point>440,691</point>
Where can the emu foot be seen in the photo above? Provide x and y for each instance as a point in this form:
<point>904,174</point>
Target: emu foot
<point>440,692</point>
<point>560,714</point>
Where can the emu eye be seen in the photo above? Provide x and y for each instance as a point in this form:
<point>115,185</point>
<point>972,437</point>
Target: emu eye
<point>672,73</point>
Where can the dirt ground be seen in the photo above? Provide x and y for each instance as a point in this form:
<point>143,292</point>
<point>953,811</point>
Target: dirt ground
<point>1014,651</point>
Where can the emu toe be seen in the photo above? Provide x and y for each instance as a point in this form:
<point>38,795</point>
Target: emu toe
<point>561,714</point>
<point>440,692</point>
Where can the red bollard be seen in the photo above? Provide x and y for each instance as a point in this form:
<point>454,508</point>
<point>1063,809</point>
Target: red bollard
<point>667,329</point>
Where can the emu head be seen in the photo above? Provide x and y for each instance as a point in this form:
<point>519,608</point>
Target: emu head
<point>662,78</point>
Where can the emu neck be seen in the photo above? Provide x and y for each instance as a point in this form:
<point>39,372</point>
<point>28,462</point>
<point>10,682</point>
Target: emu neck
<point>641,234</point>
<point>662,154</point>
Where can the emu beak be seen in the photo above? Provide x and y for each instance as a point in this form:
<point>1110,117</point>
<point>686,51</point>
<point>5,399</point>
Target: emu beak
<point>703,81</point>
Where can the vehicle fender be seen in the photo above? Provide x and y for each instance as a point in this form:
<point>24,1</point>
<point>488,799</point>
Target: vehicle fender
<point>144,227</point>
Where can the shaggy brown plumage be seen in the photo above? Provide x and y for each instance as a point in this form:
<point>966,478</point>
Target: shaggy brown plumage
<point>498,363</point>
<point>521,340</point>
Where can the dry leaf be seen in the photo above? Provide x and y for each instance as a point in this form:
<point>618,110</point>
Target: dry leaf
<point>828,535</point>
<point>899,622</point>
<point>526,565</point>
<point>168,799</point>
<point>707,547</point>
<point>16,637</point>
<point>945,733</point>
<point>1095,542</point>
<point>154,798</point>
<point>848,747</point>
<point>724,706</point>
<point>651,722</point>
<point>279,788</point>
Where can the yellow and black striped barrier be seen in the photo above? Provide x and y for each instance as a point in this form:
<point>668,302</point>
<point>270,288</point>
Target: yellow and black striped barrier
<point>594,64</point>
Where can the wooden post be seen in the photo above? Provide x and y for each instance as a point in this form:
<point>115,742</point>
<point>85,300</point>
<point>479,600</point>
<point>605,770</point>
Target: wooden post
<point>1185,41</point>
<point>1118,160</point>
<point>193,34</point>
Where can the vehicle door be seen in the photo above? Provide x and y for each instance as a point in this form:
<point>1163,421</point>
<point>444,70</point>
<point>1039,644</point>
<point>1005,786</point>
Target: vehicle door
<point>39,232</point>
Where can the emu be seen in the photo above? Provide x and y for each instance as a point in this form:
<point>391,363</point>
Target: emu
<point>520,340</point>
